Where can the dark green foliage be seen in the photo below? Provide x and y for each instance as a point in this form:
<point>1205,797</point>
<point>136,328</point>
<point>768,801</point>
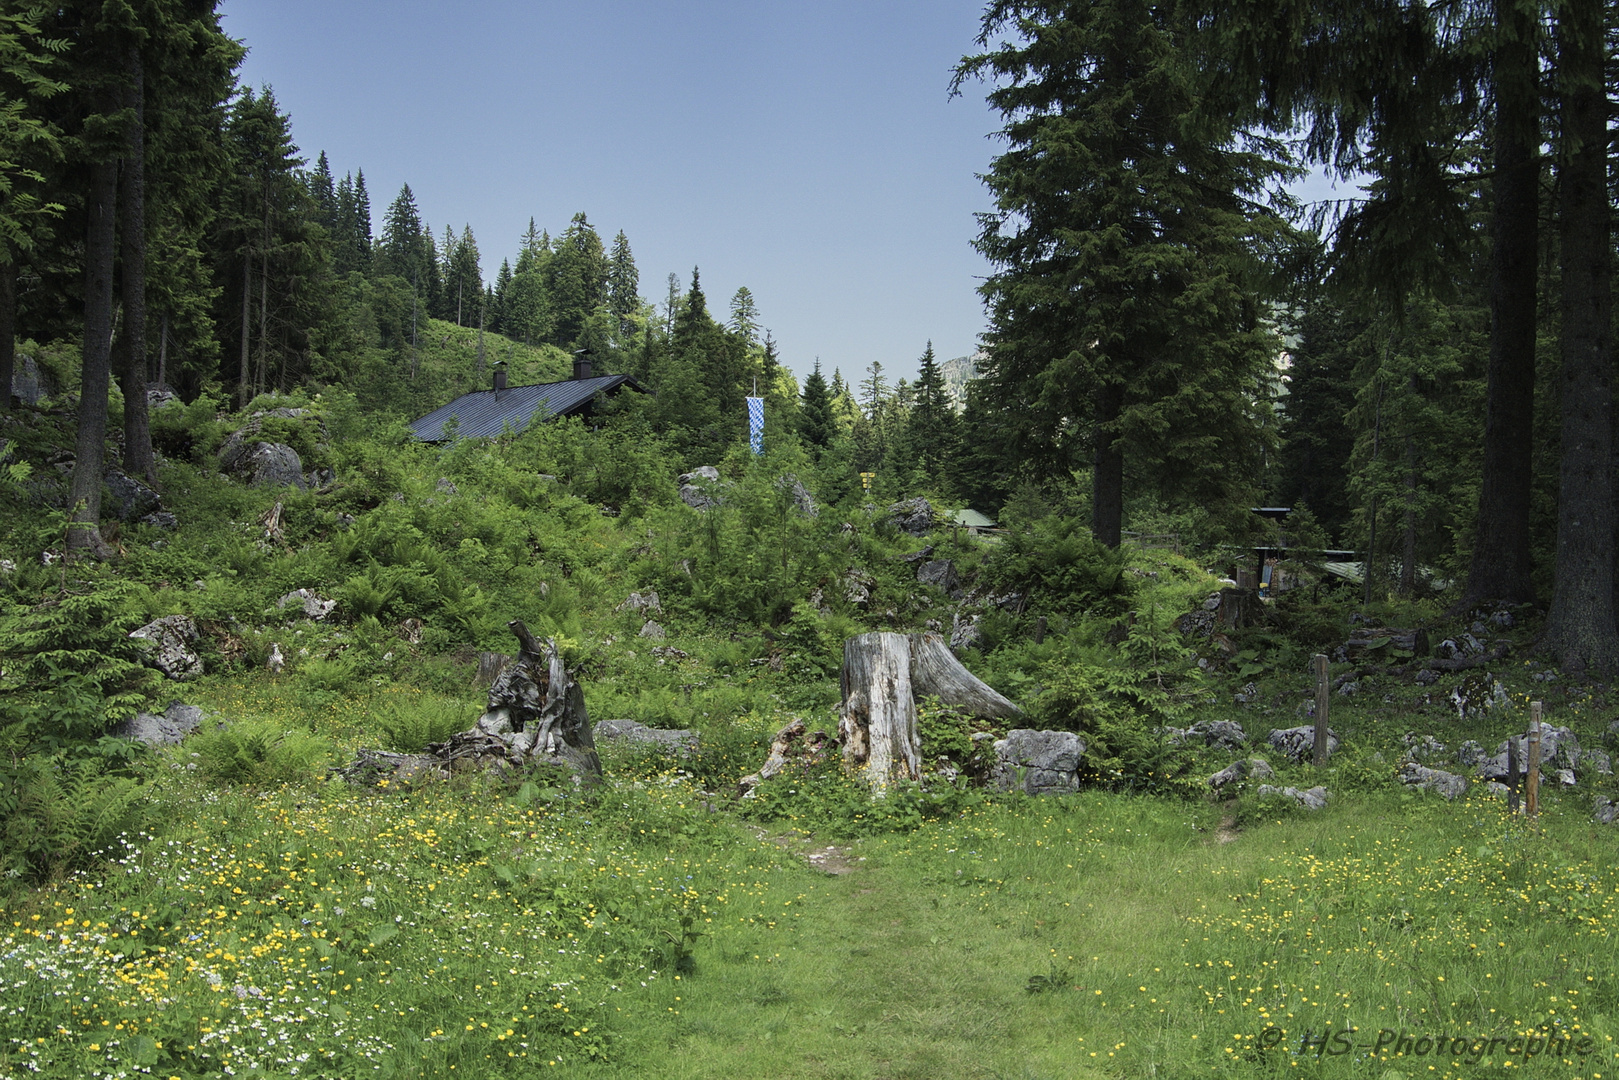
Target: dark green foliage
<point>1059,568</point>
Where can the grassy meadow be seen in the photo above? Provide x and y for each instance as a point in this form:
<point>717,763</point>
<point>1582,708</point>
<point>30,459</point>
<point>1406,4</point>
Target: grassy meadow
<point>225,908</point>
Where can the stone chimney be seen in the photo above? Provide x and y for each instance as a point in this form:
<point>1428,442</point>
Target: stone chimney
<point>582,366</point>
<point>500,376</point>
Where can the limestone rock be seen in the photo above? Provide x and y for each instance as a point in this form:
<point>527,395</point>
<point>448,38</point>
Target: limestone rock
<point>1437,781</point>
<point>1250,769</point>
<point>803,501</point>
<point>130,498</point>
<point>631,731</point>
<point>1037,762</point>
<point>652,630</point>
<point>262,464</point>
<point>1298,743</point>
<point>965,634</point>
<point>941,574</point>
<point>163,729</point>
<point>915,516</point>
<point>168,646</point>
<point>1607,811</point>
<point>311,604</point>
<point>1224,734</point>
<point>1313,799</point>
<point>702,488</point>
<point>645,603</point>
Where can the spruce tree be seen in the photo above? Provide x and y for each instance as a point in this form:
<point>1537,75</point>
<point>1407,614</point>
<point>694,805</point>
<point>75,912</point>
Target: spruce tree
<point>815,424</point>
<point>1124,322</point>
<point>623,283</point>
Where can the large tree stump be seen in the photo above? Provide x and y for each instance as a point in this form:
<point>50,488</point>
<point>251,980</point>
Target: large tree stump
<point>877,722</point>
<point>882,679</point>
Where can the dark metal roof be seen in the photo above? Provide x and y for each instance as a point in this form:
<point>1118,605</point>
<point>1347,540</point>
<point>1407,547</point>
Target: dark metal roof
<point>489,412</point>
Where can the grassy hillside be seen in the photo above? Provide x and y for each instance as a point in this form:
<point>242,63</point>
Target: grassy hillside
<point>222,907</point>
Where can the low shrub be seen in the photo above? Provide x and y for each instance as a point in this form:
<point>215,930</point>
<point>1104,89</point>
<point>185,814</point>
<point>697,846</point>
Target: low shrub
<point>259,753</point>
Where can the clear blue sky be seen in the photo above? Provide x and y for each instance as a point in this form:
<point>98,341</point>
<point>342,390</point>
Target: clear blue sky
<point>809,151</point>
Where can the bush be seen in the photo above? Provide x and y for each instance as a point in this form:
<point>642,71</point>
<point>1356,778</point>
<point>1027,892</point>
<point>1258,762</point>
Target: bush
<point>408,726</point>
<point>57,814</point>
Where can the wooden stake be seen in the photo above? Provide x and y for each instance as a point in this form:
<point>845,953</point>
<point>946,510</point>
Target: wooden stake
<point>1322,697</point>
<point>1532,801</point>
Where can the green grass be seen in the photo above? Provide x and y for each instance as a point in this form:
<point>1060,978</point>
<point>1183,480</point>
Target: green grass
<point>1096,935</point>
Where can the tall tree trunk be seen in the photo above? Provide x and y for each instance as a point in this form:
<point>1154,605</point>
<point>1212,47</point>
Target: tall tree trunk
<point>138,459</point>
<point>264,310</point>
<point>8,331</point>
<point>1500,565</point>
<point>84,494</point>
<point>1107,479</point>
<point>163,351</point>
<point>244,379</point>
<point>1580,628</point>
<point>479,380</point>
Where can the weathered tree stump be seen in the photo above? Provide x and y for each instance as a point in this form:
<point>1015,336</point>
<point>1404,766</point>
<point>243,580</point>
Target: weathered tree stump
<point>883,678</point>
<point>1363,642</point>
<point>877,721</point>
<point>536,716</point>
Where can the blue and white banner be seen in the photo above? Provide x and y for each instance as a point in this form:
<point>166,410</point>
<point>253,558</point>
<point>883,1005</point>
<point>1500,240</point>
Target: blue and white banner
<point>756,424</point>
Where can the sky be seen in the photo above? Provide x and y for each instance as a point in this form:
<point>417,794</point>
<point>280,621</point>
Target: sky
<point>808,151</point>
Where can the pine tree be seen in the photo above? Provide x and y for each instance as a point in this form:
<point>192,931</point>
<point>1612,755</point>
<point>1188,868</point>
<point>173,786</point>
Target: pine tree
<point>815,423</point>
<point>930,428</point>
<point>576,279</point>
<point>623,283</point>
<point>1124,321</point>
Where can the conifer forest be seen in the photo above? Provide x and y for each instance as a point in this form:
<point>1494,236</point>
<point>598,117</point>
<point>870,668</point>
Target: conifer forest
<point>416,667</point>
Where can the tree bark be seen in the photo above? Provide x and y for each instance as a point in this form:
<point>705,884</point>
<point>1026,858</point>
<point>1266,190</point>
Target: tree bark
<point>1107,479</point>
<point>8,332</point>
<point>1580,628</point>
<point>877,722</point>
<point>1500,564</point>
<point>138,459</point>
<point>935,672</point>
<point>244,384</point>
<point>84,494</point>
<point>883,678</point>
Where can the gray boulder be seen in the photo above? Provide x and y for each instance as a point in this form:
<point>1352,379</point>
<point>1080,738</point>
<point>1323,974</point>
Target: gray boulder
<point>130,499</point>
<point>1607,811</point>
<point>631,731</point>
<point>262,464</point>
<point>803,501</point>
<point>1251,769</point>
<point>163,729</point>
<point>1224,734</point>
<point>650,629</point>
<point>646,603</point>
<point>1313,799</point>
<point>312,605</point>
<point>915,516</point>
<point>1037,762</point>
<point>941,574</point>
<point>167,643</point>
<point>702,488</point>
<point>1559,749</point>
<point>1298,743</point>
<point>1437,781</point>
<point>30,384</point>
<point>965,634</point>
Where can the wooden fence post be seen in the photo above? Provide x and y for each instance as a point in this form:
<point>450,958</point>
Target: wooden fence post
<point>1322,696</point>
<point>1532,802</point>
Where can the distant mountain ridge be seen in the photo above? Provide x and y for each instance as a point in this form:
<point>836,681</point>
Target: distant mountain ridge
<point>958,373</point>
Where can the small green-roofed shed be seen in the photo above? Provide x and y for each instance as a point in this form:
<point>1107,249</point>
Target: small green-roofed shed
<point>972,519</point>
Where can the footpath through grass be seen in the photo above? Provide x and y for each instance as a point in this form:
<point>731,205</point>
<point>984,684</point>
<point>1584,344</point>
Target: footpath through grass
<point>461,931</point>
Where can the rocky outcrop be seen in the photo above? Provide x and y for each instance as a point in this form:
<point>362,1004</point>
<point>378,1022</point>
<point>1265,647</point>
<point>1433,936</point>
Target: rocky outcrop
<point>1298,743</point>
<point>674,740</point>
<point>1313,799</point>
<point>309,603</point>
<point>262,464</point>
<point>1438,781</point>
<point>914,516</point>
<point>1037,762</point>
<point>702,488</point>
<point>167,643</point>
<point>1250,769</point>
<point>162,729</point>
<point>1222,734</point>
